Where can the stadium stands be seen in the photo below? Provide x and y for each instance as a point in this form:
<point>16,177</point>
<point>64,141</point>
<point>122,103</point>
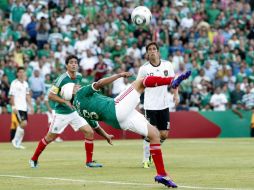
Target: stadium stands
<point>215,39</point>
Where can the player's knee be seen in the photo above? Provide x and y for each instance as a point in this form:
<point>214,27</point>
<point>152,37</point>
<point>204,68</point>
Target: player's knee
<point>88,131</point>
<point>23,124</point>
<point>163,136</point>
<point>153,134</point>
<point>50,137</point>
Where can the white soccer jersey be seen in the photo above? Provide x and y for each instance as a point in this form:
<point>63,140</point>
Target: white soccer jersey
<point>156,98</point>
<point>19,90</point>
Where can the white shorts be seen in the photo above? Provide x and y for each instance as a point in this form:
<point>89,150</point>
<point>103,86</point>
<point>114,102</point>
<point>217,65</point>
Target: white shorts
<point>50,116</point>
<point>61,121</point>
<point>127,115</point>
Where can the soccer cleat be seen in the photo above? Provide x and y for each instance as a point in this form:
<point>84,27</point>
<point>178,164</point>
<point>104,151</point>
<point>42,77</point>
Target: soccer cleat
<point>177,80</point>
<point>21,147</point>
<point>146,165</point>
<point>165,180</point>
<point>33,163</point>
<point>16,145</point>
<point>93,164</point>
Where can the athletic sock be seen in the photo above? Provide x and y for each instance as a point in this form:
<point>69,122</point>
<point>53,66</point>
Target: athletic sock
<point>153,81</point>
<point>146,151</point>
<point>19,135</point>
<point>41,146</point>
<point>89,150</point>
<point>155,150</point>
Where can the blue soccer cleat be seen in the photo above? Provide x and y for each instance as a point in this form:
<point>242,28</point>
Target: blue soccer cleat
<point>165,180</point>
<point>177,80</point>
<point>93,164</point>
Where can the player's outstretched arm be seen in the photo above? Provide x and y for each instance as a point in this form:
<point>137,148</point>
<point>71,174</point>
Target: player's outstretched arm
<point>105,81</point>
<point>104,134</point>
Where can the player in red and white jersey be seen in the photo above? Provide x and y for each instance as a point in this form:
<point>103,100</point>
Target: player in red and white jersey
<point>156,100</point>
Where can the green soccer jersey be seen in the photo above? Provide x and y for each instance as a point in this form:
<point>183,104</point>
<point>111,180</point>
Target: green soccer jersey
<point>56,89</point>
<point>95,107</point>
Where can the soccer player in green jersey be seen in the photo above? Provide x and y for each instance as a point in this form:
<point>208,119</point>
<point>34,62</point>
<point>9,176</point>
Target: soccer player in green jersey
<point>65,115</point>
<point>120,112</point>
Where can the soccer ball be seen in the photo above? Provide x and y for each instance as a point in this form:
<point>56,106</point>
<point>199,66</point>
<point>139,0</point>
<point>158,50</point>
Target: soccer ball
<point>67,91</point>
<point>141,16</point>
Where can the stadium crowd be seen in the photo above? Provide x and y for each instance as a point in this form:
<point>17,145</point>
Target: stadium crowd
<point>213,38</point>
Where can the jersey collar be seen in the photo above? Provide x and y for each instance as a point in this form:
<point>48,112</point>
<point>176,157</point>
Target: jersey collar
<point>155,65</point>
<point>70,76</point>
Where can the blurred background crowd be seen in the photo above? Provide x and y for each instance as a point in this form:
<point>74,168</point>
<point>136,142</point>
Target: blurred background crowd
<point>213,38</point>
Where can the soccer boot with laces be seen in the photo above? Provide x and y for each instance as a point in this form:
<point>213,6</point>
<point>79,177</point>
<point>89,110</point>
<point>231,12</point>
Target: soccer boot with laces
<point>33,163</point>
<point>178,79</point>
<point>146,165</point>
<point>93,164</point>
<point>165,180</point>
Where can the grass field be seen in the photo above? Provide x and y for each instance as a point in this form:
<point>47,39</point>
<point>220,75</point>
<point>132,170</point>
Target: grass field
<point>216,164</point>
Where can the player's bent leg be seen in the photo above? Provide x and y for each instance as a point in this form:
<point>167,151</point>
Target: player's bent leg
<point>40,148</point>
<point>89,146</point>
<point>155,150</point>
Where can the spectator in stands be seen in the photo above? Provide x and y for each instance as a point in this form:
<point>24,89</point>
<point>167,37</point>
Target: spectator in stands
<point>218,100</point>
<point>31,29</point>
<point>236,95</point>
<point>42,34</point>
<point>37,85</point>
<point>203,31</point>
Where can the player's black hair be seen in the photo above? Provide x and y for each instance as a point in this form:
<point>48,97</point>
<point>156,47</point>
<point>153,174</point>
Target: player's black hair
<point>71,57</point>
<point>152,43</point>
<point>20,68</point>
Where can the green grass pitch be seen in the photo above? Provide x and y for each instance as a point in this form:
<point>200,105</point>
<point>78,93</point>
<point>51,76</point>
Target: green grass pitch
<point>208,164</point>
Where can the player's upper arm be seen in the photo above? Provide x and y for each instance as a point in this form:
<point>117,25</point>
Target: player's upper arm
<point>141,73</point>
<point>12,90</point>
<point>54,89</point>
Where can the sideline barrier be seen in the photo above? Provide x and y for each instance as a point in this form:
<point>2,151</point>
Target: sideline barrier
<point>183,125</point>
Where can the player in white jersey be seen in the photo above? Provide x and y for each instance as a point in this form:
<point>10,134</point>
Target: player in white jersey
<point>20,98</point>
<point>156,100</point>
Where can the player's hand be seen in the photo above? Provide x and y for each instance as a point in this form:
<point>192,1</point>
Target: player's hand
<point>125,74</point>
<point>31,110</point>
<point>109,139</point>
<point>68,103</point>
<point>176,99</point>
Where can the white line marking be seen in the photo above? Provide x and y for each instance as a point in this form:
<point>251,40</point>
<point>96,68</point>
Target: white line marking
<point>117,182</point>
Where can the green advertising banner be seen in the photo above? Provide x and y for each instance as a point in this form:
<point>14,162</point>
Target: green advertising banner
<point>231,125</point>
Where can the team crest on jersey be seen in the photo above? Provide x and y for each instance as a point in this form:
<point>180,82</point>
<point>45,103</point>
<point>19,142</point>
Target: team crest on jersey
<point>166,72</point>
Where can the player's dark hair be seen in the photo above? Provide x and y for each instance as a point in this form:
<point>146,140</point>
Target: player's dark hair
<point>152,43</point>
<point>20,68</point>
<point>71,57</point>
